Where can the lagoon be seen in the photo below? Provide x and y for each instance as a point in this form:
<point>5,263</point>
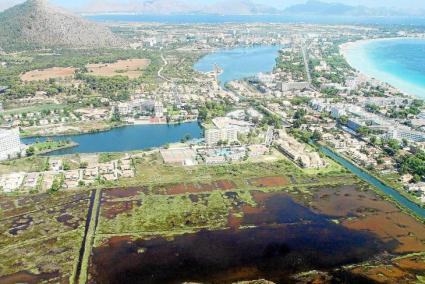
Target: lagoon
<point>399,62</point>
<point>240,63</point>
<point>127,138</point>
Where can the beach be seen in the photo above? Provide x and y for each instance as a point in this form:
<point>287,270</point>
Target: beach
<point>371,58</point>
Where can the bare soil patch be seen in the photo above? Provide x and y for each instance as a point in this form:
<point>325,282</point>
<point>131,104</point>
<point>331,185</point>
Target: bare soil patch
<point>46,74</point>
<point>132,68</point>
<point>270,181</point>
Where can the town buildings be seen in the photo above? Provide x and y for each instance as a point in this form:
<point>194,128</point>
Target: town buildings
<point>10,144</point>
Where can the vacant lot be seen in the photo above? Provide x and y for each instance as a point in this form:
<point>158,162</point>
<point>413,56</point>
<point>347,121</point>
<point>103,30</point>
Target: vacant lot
<point>132,68</point>
<point>46,74</point>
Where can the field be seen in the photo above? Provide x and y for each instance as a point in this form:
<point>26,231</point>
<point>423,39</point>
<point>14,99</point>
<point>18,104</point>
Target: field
<point>35,108</point>
<point>46,74</point>
<point>132,68</point>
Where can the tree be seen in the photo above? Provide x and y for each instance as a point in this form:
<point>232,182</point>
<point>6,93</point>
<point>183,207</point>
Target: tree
<point>405,142</point>
<point>57,183</point>
<point>363,130</point>
<point>343,120</point>
<point>316,135</point>
<point>116,117</point>
<point>84,165</point>
<point>66,166</point>
<point>372,108</point>
<point>394,144</point>
<point>30,151</point>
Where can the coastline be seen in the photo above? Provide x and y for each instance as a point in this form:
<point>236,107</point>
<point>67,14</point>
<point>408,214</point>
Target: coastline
<point>355,55</point>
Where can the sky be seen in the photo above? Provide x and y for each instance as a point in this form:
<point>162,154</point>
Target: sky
<point>412,4</point>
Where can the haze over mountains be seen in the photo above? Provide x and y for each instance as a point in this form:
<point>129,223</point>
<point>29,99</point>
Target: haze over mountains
<point>319,8</point>
<point>39,24</point>
<point>237,7</point>
<point>166,7</point>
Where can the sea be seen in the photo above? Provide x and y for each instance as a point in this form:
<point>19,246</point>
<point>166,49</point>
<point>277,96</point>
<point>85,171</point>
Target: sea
<point>239,63</point>
<point>399,62</point>
<point>219,19</point>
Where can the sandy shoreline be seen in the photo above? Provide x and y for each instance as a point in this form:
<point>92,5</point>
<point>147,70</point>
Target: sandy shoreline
<point>403,86</point>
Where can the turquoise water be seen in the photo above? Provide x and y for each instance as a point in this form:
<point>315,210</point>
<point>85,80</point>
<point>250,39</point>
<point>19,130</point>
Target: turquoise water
<point>403,201</point>
<point>128,138</point>
<point>399,62</point>
<point>239,63</point>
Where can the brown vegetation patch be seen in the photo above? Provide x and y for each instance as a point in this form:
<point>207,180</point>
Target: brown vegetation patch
<point>28,277</point>
<point>393,226</point>
<point>117,193</point>
<point>111,209</point>
<point>69,220</point>
<point>225,184</point>
<point>384,274</point>
<point>269,181</point>
<point>46,74</point>
<point>412,263</point>
<point>349,201</point>
<point>6,203</point>
<point>398,270</point>
<point>117,240</point>
<point>234,221</point>
<point>132,68</point>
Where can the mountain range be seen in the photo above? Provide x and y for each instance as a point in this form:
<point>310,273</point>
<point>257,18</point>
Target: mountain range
<point>235,7</point>
<point>318,8</point>
<point>170,7</point>
<point>36,23</point>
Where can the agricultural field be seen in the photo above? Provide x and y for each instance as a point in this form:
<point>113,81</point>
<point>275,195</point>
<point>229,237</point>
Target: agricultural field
<point>132,68</point>
<point>50,73</point>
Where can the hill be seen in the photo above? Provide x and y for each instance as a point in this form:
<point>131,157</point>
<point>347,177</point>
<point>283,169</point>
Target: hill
<point>37,24</point>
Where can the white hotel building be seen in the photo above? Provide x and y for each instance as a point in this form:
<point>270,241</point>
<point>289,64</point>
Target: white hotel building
<point>10,143</point>
<point>215,135</point>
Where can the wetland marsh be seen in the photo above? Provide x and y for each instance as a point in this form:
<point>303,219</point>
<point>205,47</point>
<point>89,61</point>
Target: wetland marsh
<point>220,224</point>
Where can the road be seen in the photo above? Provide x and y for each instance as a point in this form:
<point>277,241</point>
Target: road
<point>307,66</point>
<point>176,94</point>
<point>162,69</point>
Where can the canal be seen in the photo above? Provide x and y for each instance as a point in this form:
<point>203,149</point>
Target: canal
<point>403,201</point>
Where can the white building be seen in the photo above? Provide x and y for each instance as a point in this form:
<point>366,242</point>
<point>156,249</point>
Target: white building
<point>294,86</point>
<point>159,109</point>
<point>10,144</point>
<point>410,135</point>
<point>215,135</point>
